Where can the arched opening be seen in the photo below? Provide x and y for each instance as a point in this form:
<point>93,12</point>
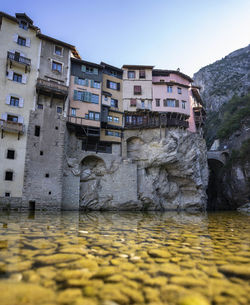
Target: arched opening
<point>92,170</point>
<point>134,147</point>
<point>215,184</point>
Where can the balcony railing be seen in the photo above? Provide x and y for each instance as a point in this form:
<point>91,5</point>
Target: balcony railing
<point>51,86</point>
<point>140,122</point>
<point>19,59</point>
<point>11,126</point>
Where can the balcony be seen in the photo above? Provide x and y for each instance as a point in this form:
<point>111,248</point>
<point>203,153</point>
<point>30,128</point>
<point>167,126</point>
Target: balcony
<point>51,87</point>
<point>17,59</point>
<point>12,127</point>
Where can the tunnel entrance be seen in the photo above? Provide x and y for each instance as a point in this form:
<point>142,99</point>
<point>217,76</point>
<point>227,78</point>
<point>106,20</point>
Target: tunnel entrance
<point>216,201</point>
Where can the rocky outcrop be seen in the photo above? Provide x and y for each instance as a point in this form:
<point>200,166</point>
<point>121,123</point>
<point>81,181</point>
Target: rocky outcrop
<point>224,78</point>
<point>158,173</point>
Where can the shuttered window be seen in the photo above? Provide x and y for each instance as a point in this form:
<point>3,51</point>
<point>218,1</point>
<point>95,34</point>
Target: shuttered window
<point>133,102</point>
<point>142,74</point>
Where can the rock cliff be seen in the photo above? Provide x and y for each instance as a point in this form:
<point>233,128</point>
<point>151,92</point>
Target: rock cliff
<point>159,173</point>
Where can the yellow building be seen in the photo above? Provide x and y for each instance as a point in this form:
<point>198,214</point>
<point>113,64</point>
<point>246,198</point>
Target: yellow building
<point>112,107</point>
<point>19,63</point>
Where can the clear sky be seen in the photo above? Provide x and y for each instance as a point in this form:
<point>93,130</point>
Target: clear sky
<point>169,34</point>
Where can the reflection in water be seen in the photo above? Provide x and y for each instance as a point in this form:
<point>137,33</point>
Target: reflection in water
<point>124,258</point>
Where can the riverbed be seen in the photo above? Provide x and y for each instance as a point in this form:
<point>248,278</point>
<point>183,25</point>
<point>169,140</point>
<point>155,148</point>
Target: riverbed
<point>77,258</point>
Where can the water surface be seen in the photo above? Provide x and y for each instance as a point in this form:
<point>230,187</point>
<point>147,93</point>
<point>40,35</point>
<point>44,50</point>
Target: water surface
<point>124,258</point>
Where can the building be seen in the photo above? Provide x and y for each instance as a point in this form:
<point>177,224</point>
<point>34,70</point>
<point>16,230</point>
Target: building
<point>47,124</point>
<point>171,96</point>
<point>197,112</point>
<point>112,106</point>
<point>19,63</point>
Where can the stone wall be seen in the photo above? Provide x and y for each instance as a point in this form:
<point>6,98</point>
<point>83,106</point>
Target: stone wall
<point>10,203</point>
<point>160,169</point>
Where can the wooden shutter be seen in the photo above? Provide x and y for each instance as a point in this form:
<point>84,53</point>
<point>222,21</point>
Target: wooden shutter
<point>75,95</point>
<point>4,116</point>
<point>24,79</point>
<point>76,80</point>
<point>10,75</point>
<point>27,42</point>
<point>176,103</point>
<point>92,83</point>
<point>118,86</point>
<point>86,82</point>
<point>20,119</point>
<point>15,38</point>
<point>95,71</point>
<point>8,99</point>
<point>83,68</point>
<point>21,102</point>
<point>108,83</point>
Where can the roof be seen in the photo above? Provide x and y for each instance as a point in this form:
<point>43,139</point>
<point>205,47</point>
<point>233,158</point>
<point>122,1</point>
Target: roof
<point>137,67</point>
<point>171,84</point>
<point>110,67</point>
<point>160,72</point>
<point>45,37</point>
<point>197,95</point>
<point>84,62</point>
<point>23,15</point>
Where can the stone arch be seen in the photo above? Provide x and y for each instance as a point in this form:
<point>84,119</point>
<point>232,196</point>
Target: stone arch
<point>134,147</point>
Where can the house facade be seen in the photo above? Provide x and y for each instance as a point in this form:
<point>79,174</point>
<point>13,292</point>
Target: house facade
<point>19,63</point>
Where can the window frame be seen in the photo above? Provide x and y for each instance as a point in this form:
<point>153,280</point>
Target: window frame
<point>21,41</point>
<point>169,89</point>
<point>14,101</point>
<point>11,177</point>
<point>157,102</point>
<point>57,63</point>
<point>131,72</point>
<point>17,77</point>
<point>73,112</point>
<point>61,54</point>
<point>9,155</point>
<point>179,91</point>
<point>142,74</point>
<point>115,104</point>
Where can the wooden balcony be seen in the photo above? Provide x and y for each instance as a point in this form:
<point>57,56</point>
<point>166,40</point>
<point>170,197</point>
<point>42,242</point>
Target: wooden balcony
<point>51,87</point>
<point>82,128</point>
<point>11,127</point>
<point>17,59</point>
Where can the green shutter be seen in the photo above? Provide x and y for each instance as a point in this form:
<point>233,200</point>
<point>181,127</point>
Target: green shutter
<point>89,97</point>
<point>76,80</point>
<point>83,68</point>
<point>86,82</point>
<point>92,83</point>
<point>95,71</point>
<point>75,95</point>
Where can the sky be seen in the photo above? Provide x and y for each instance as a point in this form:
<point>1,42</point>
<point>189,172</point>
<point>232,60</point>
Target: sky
<point>168,34</point>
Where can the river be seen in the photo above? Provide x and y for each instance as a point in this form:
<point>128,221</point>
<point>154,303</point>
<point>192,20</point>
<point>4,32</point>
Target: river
<point>71,258</point>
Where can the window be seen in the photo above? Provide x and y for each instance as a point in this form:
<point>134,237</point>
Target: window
<point>7,194</point>
<point>37,131</point>
<point>171,103</point>
<point>116,119</point>
<point>179,90</point>
<point>39,106</point>
<point>9,176</point>
<point>114,103</point>
<point>169,89</point>
<point>97,85</point>
<point>133,102</point>
<point>73,111</point>
<point>17,78</point>
<point>59,109</point>
<point>109,133</point>
<point>113,85</point>
<point>162,80</point>
<point>142,74</point>
<point>157,102</point>
<point>81,81</point>
<point>10,154</point>
<point>14,101</point>
<point>12,118</point>
<point>117,134</point>
<point>41,153</point>
<point>58,50</point>
<point>89,70</point>
<point>93,116</point>
<point>183,104</point>
<point>21,41</point>
<point>142,104</point>
<point>137,89</point>
<point>105,98</point>
<point>23,25</point>
<point>47,175</point>
<point>97,116</point>
<point>94,98</point>
<point>131,74</point>
<point>110,118</point>
<point>56,66</point>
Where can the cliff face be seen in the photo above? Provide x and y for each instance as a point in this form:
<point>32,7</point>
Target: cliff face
<point>159,173</point>
<point>225,87</point>
<point>224,78</point>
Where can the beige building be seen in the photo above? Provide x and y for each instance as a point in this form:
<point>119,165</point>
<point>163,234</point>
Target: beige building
<point>137,87</point>
<point>112,107</point>
<point>19,62</point>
